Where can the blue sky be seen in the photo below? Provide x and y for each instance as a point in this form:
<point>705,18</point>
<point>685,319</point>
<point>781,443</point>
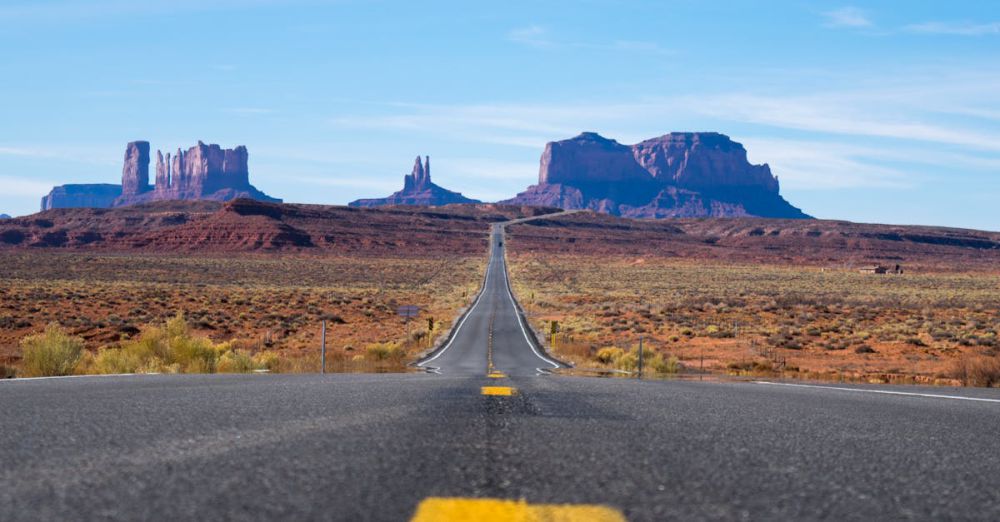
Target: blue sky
<point>878,112</point>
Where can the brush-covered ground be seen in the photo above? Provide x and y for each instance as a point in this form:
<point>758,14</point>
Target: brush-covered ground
<point>201,286</point>
<point>763,319</point>
<point>253,303</point>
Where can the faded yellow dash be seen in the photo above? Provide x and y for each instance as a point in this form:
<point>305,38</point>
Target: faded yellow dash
<point>499,390</point>
<point>496,375</point>
<point>496,510</point>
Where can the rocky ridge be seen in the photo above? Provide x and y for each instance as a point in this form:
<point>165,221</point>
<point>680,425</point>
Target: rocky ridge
<point>242,225</point>
<point>203,172</point>
<point>689,174</point>
<point>418,190</point>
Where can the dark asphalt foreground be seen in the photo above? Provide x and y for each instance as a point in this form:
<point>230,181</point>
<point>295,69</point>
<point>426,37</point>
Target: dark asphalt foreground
<point>372,447</point>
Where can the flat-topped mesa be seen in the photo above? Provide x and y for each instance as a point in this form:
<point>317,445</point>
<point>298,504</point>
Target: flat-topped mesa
<point>702,160</point>
<point>681,174</point>
<point>417,190</point>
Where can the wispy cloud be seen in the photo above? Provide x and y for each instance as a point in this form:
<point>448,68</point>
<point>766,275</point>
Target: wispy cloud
<point>869,135</point>
<point>72,10</point>
<point>24,187</point>
<point>532,35</point>
<point>954,28</point>
<point>540,37</point>
<point>822,165</point>
<point>847,17</point>
<point>91,155</point>
<point>346,181</point>
<point>486,169</point>
<point>249,111</point>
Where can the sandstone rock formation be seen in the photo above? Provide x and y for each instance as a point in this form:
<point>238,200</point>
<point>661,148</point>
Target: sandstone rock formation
<point>135,172</point>
<point>97,195</point>
<point>676,175</point>
<point>203,172</point>
<point>417,190</point>
<point>206,172</point>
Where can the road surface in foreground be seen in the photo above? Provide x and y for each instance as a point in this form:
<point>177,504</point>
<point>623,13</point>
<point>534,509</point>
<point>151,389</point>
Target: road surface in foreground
<point>372,447</point>
<point>375,447</point>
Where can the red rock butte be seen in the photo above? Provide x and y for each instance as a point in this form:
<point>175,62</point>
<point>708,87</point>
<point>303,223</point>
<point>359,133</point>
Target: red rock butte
<point>681,174</point>
<point>203,172</point>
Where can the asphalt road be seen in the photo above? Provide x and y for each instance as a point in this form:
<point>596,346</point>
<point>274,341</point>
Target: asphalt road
<point>373,447</point>
<point>492,332</point>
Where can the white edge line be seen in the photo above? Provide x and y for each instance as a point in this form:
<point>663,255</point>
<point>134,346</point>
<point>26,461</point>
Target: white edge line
<point>458,328</point>
<point>521,323</point>
<point>29,379</point>
<point>885,392</point>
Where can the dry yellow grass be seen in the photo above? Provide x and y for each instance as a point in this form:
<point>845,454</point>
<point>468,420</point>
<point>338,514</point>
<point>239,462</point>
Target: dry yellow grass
<point>258,304</point>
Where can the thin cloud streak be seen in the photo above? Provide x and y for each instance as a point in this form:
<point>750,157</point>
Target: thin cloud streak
<point>539,37</point>
<point>851,17</point>
<point>954,28</point>
<point>21,187</point>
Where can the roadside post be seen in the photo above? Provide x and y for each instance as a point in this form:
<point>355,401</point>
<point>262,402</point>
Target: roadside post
<point>640,357</point>
<point>322,356</point>
<point>553,330</point>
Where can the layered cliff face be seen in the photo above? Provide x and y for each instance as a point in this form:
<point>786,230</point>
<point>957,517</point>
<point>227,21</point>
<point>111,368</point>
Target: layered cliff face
<point>417,190</point>
<point>676,175</point>
<point>96,195</point>
<point>203,172</point>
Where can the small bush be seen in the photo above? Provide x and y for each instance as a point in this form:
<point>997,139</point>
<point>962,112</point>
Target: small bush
<point>864,348</point>
<point>608,355</point>
<point>116,360</point>
<point>267,361</point>
<point>977,370</point>
<point>53,352</point>
<point>384,351</point>
<point>628,361</point>
<point>670,365</point>
<point>235,361</point>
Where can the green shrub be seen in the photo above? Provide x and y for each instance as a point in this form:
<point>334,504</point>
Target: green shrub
<point>384,351</point>
<point>235,361</point>
<point>628,362</point>
<point>53,352</point>
<point>116,360</point>
<point>609,354</point>
<point>670,365</point>
<point>267,361</point>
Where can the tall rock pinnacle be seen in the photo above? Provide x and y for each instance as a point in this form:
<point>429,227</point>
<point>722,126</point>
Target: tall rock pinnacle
<point>417,190</point>
<point>135,172</point>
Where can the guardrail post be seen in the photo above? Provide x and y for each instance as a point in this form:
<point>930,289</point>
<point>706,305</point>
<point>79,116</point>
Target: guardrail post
<point>640,357</point>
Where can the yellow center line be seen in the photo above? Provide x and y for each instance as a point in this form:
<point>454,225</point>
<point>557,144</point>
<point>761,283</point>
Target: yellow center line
<point>505,391</point>
<point>437,509</point>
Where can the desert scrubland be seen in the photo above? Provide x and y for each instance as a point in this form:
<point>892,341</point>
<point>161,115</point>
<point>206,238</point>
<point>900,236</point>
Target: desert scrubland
<point>724,306</point>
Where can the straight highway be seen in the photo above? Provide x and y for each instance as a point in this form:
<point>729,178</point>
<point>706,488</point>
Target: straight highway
<point>415,446</point>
